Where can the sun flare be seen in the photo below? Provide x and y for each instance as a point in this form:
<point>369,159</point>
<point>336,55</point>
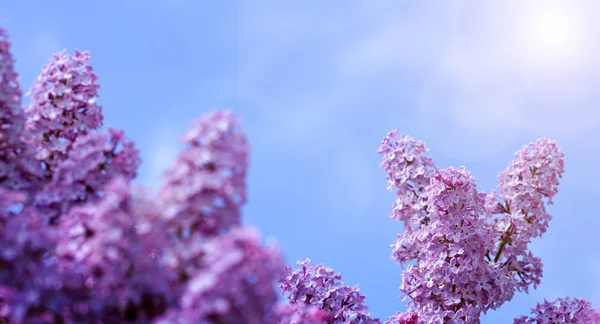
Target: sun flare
<point>552,27</point>
<point>554,35</point>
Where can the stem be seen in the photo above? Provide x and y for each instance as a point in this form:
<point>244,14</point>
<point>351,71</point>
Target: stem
<point>533,171</point>
<point>505,239</point>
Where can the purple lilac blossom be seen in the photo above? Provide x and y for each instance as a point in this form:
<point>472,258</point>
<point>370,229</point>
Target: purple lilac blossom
<point>410,172</point>
<point>467,260</point>
<point>205,187</point>
<point>530,181</point>
<point>320,286</point>
<point>73,159</point>
<point>229,279</point>
<point>15,169</point>
<point>94,159</point>
<point>562,310</point>
<point>63,107</point>
<point>106,247</point>
<point>299,314</point>
<point>26,284</point>
<point>403,318</point>
<point>11,118</point>
<point>451,280</point>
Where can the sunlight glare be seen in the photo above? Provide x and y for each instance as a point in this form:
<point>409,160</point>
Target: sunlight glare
<point>553,35</point>
<point>552,28</point>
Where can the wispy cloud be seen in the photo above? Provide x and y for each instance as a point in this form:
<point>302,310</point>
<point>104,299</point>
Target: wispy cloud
<point>498,81</point>
<point>476,84</point>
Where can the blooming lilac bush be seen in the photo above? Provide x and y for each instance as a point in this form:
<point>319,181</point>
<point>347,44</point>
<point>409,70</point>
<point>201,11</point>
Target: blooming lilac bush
<point>79,243</point>
<point>320,286</point>
<point>475,253</point>
<point>466,251</point>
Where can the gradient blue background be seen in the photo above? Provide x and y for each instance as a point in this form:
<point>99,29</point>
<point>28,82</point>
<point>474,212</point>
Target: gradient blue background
<point>319,83</point>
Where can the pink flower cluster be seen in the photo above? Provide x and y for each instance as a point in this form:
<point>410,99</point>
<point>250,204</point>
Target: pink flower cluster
<point>469,248</point>
<point>562,310</point>
<point>208,177</point>
<point>320,286</point>
<point>465,251</point>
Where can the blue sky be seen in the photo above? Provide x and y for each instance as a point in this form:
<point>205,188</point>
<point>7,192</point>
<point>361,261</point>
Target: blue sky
<point>319,84</point>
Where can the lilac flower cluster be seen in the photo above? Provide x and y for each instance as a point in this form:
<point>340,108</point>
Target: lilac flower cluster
<point>466,251</point>
<point>404,318</point>
<point>80,244</point>
<point>63,106</point>
<point>205,187</point>
<point>67,156</point>
<point>232,284</point>
<point>523,188</point>
<point>450,257</point>
<point>320,286</point>
<point>470,248</point>
<point>12,121</point>
<point>562,310</point>
<point>299,314</point>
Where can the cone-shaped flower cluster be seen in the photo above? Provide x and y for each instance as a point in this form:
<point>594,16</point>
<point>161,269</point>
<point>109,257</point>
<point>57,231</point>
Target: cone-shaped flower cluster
<point>451,279</point>
<point>518,210</point>
<point>63,106</point>
<point>320,286</point>
<point>470,249</point>
<point>562,310</point>
<point>12,122</point>
<point>68,156</point>
<point>205,187</point>
<point>404,318</point>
